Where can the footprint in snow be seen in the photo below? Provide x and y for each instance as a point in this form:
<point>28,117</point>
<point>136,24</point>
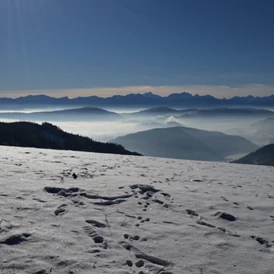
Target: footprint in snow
<point>98,239</point>
<point>61,210</point>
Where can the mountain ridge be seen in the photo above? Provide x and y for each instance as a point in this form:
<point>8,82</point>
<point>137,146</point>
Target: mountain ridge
<point>185,143</point>
<point>262,156</point>
<point>72,114</point>
<point>146,99</point>
<point>159,142</point>
<point>209,112</point>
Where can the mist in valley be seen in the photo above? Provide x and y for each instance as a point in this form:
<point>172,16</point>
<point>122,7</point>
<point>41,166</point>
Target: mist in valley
<point>122,121</point>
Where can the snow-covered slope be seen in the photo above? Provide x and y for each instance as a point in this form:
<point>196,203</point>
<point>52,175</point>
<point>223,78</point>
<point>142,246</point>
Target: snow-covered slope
<point>72,212</point>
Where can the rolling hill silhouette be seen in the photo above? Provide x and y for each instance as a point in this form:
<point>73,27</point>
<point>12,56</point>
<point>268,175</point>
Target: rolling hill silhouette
<point>185,143</point>
<point>262,156</point>
<point>78,114</point>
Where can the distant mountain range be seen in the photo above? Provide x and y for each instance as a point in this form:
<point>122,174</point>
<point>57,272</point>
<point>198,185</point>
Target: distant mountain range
<point>183,99</point>
<point>204,113</point>
<point>86,114</point>
<point>26,134</point>
<point>262,156</point>
<point>79,114</point>
<point>186,143</point>
<point>161,111</point>
<point>228,112</point>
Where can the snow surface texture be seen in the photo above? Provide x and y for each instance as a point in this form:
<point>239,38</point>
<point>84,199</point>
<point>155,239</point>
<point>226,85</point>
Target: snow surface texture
<point>70,212</point>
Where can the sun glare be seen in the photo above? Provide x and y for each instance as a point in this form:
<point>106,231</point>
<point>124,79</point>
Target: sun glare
<point>20,18</point>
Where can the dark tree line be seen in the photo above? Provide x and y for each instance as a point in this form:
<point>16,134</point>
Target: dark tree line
<point>48,136</point>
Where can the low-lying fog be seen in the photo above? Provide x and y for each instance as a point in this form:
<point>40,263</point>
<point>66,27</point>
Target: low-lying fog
<point>99,131</point>
<point>31,110</point>
<point>107,130</point>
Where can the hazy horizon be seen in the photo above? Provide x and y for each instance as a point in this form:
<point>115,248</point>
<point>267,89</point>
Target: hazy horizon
<point>217,92</point>
<point>253,90</point>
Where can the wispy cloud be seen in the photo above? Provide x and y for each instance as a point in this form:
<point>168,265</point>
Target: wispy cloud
<point>217,91</point>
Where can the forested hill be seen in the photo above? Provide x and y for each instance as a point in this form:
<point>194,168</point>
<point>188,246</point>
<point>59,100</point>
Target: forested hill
<point>48,136</point>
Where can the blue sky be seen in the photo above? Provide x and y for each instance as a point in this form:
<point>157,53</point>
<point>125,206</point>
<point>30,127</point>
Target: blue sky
<point>102,47</point>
